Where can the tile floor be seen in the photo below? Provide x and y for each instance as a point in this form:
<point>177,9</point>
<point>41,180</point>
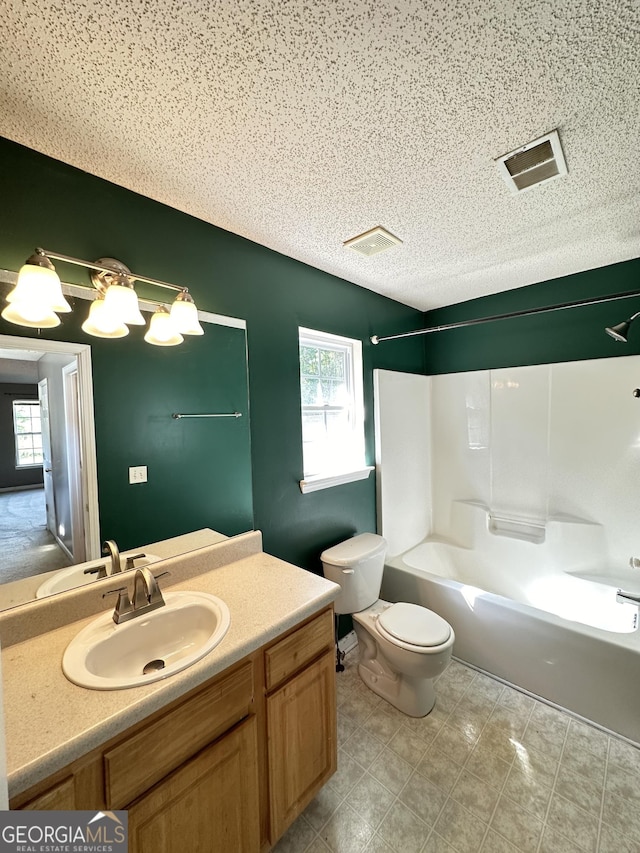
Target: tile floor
<point>490,769</point>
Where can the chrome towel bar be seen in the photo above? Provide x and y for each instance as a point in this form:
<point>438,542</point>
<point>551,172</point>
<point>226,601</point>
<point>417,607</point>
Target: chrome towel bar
<point>177,415</point>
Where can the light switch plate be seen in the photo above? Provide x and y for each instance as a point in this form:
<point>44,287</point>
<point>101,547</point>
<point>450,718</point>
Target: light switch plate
<point>138,474</point>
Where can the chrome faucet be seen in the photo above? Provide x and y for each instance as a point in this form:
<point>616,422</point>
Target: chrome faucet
<point>623,597</point>
<point>109,548</point>
<point>146,592</point>
<point>146,596</point>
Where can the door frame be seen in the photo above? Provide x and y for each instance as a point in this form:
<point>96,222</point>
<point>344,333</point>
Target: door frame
<point>75,462</point>
<point>47,473</point>
<point>82,353</point>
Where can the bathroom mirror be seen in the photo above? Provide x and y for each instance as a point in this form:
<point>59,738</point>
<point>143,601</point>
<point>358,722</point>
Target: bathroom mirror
<point>197,469</point>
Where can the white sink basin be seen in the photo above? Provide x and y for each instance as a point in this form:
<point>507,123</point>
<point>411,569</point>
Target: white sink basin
<point>74,576</point>
<point>106,656</point>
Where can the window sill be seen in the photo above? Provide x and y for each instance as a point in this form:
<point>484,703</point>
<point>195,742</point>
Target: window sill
<point>324,481</point>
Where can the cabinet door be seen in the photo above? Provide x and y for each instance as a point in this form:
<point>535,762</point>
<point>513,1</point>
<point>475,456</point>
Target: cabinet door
<point>209,805</point>
<point>301,724</point>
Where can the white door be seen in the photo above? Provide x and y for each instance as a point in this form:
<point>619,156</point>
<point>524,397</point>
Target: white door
<point>47,462</point>
<point>74,460</point>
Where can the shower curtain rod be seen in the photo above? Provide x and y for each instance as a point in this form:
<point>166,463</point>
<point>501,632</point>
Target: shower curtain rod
<point>375,339</point>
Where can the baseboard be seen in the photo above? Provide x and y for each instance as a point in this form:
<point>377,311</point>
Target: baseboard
<point>63,548</point>
<point>348,642</point>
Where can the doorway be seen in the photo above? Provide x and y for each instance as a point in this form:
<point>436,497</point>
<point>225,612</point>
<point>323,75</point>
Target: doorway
<point>72,498</point>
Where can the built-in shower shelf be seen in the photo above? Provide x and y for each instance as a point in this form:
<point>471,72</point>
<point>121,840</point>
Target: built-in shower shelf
<point>517,528</point>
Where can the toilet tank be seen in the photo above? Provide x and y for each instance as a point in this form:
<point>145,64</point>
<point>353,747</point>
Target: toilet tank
<point>356,565</point>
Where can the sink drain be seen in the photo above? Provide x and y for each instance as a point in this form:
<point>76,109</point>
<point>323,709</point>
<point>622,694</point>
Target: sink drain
<point>153,666</point>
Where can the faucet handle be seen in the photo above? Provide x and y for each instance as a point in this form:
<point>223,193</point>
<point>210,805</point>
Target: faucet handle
<point>123,605</point>
<point>161,575</point>
<point>130,563</point>
<point>113,591</point>
<point>101,571</point>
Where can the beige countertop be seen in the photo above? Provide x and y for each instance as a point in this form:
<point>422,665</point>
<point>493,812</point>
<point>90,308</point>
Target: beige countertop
<point>50,722</point>
<point>182,544</point>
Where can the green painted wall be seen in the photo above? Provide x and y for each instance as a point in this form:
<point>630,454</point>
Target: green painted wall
<point>568,335</point>
<point>49,204</point>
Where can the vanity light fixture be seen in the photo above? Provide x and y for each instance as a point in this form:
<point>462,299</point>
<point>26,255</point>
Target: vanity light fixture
<point>37,299</point>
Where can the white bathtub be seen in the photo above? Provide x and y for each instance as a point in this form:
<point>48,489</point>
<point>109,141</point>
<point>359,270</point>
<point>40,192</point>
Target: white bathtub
<point>558,634</point>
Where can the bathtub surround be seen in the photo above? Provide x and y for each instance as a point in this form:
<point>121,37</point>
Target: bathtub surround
<point>531,506</point>
<point>490,770</point>
<point>403,458</point>
<point>529,443</point>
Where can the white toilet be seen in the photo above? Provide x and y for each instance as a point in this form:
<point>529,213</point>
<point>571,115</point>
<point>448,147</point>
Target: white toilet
<point>403,647</point>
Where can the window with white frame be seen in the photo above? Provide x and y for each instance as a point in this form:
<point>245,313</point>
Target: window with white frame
<point>27,431</point>
<point>332,404</point>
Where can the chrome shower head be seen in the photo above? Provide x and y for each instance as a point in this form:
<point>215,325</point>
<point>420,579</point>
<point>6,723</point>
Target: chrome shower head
<point>620,332</point>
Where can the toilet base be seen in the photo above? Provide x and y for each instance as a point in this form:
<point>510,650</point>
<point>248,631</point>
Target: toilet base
<point>415,697</point>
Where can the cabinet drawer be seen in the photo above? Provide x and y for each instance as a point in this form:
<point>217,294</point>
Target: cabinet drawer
<point>141,760</point>
<point>298,648</point>
<point>61,796</point>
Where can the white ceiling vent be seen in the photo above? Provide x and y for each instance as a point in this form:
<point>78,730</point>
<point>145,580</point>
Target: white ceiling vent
<point>534,163</point>
<point>373,242</point>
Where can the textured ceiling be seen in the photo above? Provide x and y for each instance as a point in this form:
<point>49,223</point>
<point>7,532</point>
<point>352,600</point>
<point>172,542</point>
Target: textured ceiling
<point>299,125</point>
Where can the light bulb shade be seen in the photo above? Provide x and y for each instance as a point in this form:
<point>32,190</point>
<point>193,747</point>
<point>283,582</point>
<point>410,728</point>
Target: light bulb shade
<point>101,324</point>
<point>40,285</point>
<point>122,304</point>
<point>162,332</point>
<point>31,315</point>
<point>184,315</point>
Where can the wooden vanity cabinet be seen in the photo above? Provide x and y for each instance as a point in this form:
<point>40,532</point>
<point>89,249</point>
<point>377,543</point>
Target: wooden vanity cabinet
<point>301,718</point>
<point>228,767</point>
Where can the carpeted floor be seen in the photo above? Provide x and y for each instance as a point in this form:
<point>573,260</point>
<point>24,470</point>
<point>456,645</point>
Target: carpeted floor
<point>26,546</point>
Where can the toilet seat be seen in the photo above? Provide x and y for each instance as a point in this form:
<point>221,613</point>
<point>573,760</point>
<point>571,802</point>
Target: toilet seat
<point>412,626</point>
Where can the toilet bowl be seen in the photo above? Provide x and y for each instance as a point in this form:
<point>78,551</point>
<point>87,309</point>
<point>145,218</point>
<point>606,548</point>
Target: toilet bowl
<point>401,671</point>
<point>403,647</point>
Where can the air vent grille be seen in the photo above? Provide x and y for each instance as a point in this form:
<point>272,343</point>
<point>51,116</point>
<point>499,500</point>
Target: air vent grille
<point>373,242</point>
<point>530,158</point>
<point>532,164</point>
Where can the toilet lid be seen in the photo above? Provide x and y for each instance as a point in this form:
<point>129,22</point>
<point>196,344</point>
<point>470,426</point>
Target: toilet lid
<point>415,625</point>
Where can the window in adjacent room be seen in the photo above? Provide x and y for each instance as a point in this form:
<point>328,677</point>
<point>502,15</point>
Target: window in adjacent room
<point>27,432</point>
<point>332,407</point>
